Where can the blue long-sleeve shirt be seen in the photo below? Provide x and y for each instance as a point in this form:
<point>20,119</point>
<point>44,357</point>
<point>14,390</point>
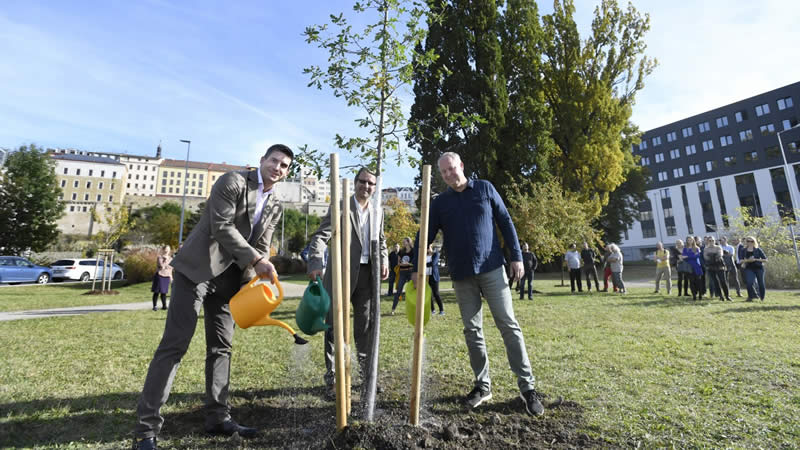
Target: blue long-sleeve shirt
<point>467,220</point>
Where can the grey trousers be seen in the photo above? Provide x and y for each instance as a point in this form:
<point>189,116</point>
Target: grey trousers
<point>184,310</point>
<point>494,286</point>
<point>362,327</point>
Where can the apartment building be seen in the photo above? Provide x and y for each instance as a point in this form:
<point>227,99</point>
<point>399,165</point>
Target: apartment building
<point>706,166</point>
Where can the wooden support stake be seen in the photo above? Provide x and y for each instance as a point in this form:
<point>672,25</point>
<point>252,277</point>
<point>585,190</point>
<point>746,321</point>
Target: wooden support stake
<point>419,334</point>
<point>346,288</point>
<point>336,267</point>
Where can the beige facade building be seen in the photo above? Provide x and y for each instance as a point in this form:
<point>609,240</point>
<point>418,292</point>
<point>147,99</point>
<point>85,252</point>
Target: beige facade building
<point>87,183</point>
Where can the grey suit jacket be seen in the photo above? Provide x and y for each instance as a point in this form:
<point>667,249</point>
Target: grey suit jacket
<point>223,235</point>
<point>319,240</point>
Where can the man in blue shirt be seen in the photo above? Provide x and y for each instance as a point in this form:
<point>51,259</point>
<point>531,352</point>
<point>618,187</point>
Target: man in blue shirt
<point>466,214</point>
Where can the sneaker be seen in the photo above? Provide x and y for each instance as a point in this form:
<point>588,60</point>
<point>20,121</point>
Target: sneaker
<point>155,309</point>
<point>441,313</point>
<point>391,313</point>
<point>477,396</point>
<point>533,404</point>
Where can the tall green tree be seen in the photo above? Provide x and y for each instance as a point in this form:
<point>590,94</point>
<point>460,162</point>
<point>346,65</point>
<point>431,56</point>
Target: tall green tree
<point>29,201</point>
<point>590,85</point>
<point>622,208</point>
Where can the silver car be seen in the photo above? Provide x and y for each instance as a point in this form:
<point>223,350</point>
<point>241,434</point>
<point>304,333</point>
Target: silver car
<point>83,270</point>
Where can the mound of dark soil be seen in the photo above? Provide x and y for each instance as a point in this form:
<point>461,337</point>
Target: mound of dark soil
<point>99,292</point>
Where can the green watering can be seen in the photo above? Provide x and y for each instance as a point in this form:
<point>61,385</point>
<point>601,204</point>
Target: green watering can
<point>411,303</point>
<point>313,308</point>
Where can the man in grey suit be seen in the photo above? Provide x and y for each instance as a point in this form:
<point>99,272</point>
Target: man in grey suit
<point>360,269</point>
<point>227,248</point>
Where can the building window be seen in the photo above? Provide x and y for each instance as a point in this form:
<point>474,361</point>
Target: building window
<point>170,181</point>
<point>63,183</point>
<point>665,193</point>
<point>112,186</point>
<point>99,197</point>
<point>128,185</point>
<point>767,129</point>
<point>704,126</point>
<point>750,157</point>
<point>710,165</point>
<point>114,175</point>
<point>645,161</point>
<point>671,136</point>
<point>200,184</point>
<point>656,141</point>
<point>722,121</point>
<point>702,186</point>
<point>645,215</point>
<point>686,132</point>
<point>194,175</point>
<point>83,209</point>
<point>643,145</point>
<point>88,185</point>
<point>164,173</point>
<point>71,209</point>
<point>100,186</point>
<point>772,152</point>
<point>789,123</point>
<point>674,153</point>
<point>740,116</point>
<point>77,172</point>
<point>784,103</point>
<point>762,109</point>
<point>179,175</point>
<point>163,190</point>
<point>677,173</point>
<point>75,183</point>
<point>201,176</point>
<point>90,172</point>
<point>662,176</point>
<point>659,157</point>
<point>746,135</point>
<point>648,232</point>
<point>730,161</point>
<point>690,150</point>
<point>725,141</point>
<point>86,197</point>
<point>708,145</point>
<point>74,196</point>
<point>694,169</point>
<point>163,182</point>
<point>102,173</point>
<point>66,171</point>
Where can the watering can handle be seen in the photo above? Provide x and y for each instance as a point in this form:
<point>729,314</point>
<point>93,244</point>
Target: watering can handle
<point>275,281</point>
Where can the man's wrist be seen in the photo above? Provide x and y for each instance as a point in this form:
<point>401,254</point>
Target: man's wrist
<point>257,260</point>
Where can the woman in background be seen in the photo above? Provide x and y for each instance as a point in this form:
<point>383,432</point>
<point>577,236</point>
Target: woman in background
<point>432,270</point>
<point>162,278</point>
<point>753,263</point>
<point>615,262</point>
<point>404,268</point>
<point>691,254</point>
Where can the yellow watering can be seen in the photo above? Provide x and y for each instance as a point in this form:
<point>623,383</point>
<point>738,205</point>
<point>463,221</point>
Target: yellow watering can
<point>253,304</point>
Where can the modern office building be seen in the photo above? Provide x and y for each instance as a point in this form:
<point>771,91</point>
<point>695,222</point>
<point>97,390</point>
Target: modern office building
<point>704,167</point>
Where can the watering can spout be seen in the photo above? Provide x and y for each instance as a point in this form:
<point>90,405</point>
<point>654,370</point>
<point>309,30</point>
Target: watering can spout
<point>253,304</point>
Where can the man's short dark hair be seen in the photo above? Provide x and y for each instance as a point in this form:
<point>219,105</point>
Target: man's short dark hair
<point>362,170</point>
<point>280,148</point>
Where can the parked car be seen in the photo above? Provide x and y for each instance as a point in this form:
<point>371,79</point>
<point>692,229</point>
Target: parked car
<point>83,270</point>
<point>14,269</point>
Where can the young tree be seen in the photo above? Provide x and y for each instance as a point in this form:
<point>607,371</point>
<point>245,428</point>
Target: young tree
<point>370,69</point>
<point>29,204</point>
<point>590,86</point>
<point>117,223</point>
<point>547,217</point>
<point>399,223</point>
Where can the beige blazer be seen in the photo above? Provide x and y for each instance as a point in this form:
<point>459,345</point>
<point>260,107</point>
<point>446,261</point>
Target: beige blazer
<point>223,235</point>
<point>319,241</point>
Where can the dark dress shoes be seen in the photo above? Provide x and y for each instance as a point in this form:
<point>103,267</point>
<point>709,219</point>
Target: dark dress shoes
<point>229,427</point>
<point>145,444</point>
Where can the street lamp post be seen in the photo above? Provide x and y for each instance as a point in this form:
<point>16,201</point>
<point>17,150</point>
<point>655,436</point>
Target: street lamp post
<point>185,177</point>
<point>790,184</point>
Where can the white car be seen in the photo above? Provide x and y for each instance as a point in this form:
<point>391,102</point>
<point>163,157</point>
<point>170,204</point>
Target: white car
<point>83,270</point>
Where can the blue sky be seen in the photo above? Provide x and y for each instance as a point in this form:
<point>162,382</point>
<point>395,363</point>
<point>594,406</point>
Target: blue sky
<point>123,75</point>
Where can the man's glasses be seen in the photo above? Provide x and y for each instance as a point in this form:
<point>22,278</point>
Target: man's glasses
<point>367,182</point>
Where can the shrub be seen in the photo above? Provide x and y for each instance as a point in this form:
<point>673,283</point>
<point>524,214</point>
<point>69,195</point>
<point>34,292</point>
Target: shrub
<point>140,265</point>
<point>287,265</point>
<point>781,272</point>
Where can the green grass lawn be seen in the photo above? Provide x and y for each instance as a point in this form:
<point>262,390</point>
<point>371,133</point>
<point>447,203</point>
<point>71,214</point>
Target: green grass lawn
<point>56,295</point>
<point>642,370</point>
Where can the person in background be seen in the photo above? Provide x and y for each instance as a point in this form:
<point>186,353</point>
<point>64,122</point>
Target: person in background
<point>432,270</point>
<point>589,269</point>
<point>404,268</point>
<point>529,264</point>
<point>730,254</point>
<point>753,264</point>
<point>662,268</point>
<point>162,278</point>
<point>615,262</point>
<point>573,260</point>
<point>607,270</point>
<point>707,284</point>
<point>683,268</point>
<point>393,257</point>
<point>691,254</point>
<point>715,265</point>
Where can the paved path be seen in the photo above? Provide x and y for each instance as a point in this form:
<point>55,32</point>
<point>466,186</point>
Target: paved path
<point>290,290</point>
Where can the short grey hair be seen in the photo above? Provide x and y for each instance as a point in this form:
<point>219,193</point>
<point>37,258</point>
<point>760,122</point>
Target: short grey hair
<point>455,156</point>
